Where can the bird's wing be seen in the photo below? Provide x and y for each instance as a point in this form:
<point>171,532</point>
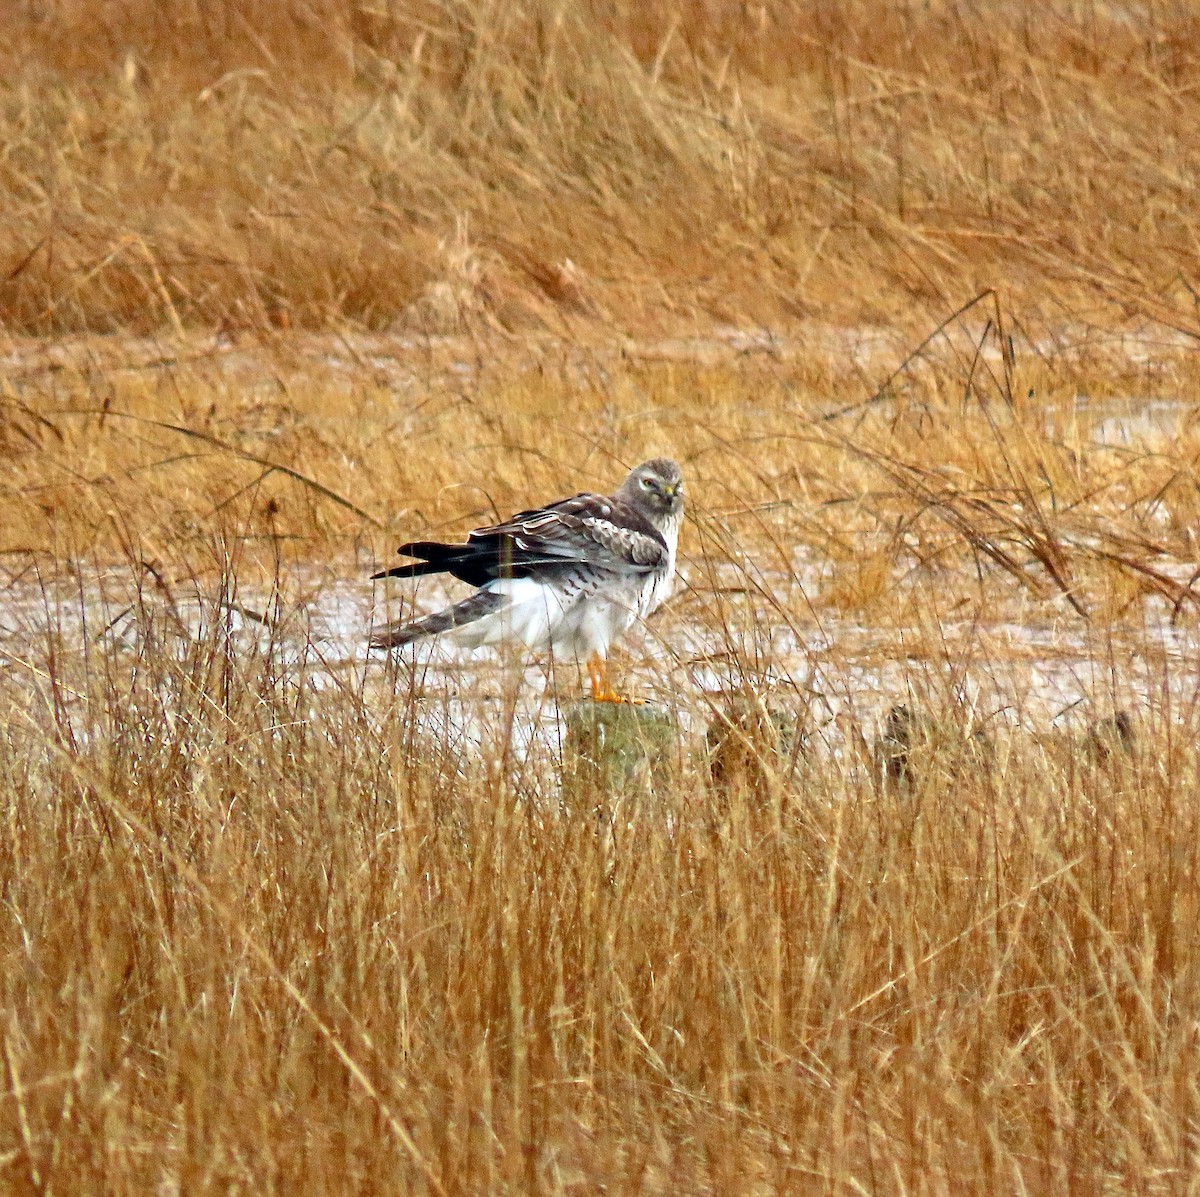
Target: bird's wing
<point>587,529</point>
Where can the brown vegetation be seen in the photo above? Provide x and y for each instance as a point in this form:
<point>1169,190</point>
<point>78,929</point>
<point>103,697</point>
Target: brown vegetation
<point>262,936</point>
<point>527,165</point>
<point>285,280</point>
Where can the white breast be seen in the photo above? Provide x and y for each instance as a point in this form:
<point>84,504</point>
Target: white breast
<point>576,616</point>
<point>662,583</point>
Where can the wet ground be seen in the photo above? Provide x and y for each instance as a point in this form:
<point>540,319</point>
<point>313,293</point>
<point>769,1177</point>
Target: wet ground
<point>1039,669</point>
<point>1034,665</point>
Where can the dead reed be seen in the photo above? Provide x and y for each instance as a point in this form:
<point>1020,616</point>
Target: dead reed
<point>592,168</point>
<point>267,927</point>
<point>277,921</point>
<point>909,289</point>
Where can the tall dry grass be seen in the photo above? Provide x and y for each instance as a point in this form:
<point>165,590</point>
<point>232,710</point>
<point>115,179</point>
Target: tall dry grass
<point>273,921</point>
<point>276,919</point>
<point>592,168</point>
<point>266,928</point>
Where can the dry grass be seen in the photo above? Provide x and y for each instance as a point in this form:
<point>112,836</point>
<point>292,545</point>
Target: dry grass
<point>277,919</point>
<point>274,923</point>
<point>266,928</point>
<point>592,167</point>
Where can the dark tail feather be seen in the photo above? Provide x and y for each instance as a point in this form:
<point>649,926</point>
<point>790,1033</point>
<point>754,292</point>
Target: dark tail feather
<point>481,560</point>
<point>435,559</point>
<point>482,603</point>
<point>414,569</point>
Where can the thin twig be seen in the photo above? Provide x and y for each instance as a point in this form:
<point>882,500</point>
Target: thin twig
<point>217,443</point>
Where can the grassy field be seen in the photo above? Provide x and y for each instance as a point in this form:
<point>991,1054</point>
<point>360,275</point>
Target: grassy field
<point>527,166</point>
<point>909,291</point>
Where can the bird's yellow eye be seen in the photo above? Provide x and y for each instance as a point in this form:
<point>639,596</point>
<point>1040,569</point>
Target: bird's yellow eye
<point>647,484</point>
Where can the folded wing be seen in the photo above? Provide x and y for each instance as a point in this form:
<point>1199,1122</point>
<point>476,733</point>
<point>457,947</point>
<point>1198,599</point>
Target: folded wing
<point>587,529</point>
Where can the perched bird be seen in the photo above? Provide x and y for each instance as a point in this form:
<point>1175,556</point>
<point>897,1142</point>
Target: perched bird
<point>570,577</point>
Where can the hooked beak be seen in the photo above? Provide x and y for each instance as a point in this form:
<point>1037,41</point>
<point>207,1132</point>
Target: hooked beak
<point>671,489</point>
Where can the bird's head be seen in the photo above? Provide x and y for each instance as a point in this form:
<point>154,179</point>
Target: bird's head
<point>655,488</point>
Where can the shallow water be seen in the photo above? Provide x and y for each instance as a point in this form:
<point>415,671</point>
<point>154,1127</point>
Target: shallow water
<point>1040,670</point>
<point>1035,666</point>
<point>1131,421</point>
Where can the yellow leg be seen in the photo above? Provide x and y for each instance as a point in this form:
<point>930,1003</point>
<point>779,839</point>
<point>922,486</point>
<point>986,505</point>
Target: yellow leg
<point>602,690</point>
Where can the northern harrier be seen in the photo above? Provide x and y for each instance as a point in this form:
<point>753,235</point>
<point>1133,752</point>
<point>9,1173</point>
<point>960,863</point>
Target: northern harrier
<point>571,576</point>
